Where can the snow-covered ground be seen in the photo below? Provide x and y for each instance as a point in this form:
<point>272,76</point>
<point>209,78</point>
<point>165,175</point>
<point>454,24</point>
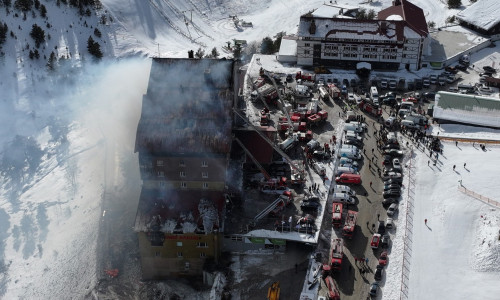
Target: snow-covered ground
<point>67,139</point>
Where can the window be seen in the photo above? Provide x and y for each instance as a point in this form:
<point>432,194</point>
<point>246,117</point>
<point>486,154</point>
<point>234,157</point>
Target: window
<point>202,254</point>
<point>179,244</point>
<point>202,245</point>
<point>157,253</point>
<point>182,174</point>
<point>179,254</point>
<point>159,163</point>
<point>182,163</point>
<point>183,185</point>
<point>307,45</point>
<point>161,174</point>
<point>186,266</point>
<point>205,185</point>
<point>307,52</point>
<point>204,164</point>
<point>204,174</point>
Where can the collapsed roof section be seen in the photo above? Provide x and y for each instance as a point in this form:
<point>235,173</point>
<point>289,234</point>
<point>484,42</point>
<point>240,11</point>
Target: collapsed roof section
<point>187,108</point>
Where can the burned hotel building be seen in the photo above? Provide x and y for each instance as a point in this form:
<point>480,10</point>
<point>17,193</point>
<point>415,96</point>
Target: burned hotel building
<point>184,142</point>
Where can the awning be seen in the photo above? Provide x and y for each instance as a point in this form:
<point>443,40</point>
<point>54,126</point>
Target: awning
<point>363,65</point>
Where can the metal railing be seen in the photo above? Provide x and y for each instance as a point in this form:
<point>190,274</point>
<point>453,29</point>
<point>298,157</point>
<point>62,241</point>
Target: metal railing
<point>478,196</point>
<point>408,237</point>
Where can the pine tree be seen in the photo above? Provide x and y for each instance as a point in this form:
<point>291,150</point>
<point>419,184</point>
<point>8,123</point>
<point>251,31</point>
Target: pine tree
<point>38,34</point>
<point>214,53</point>
<point>23,5</point>
<point>97,33</point>
<point>199,53</point>
<point>3,33</point>
<point>94,48</point>
<point>267,46</point>
<point>43,11</point>
<point>454,3</point>
<point>51,63</point>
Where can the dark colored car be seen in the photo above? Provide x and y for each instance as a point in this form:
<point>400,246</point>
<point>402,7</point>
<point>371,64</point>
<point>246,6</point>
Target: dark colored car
<point>391,193</point>
<point>353,142</point>
<point>321,155</point>
<point>384,242</point>
<point>381,227</point>
<point>388,201</point>
<point>398,180</point>
<point>461,67</point>
<point>429,95</point>
<point>489,69</point>
<point>373,289</point>
<point>378,273</point>
<point>394,152</point>
<point>309,205</point>
<point>392,186</point>
<point>391,146</point>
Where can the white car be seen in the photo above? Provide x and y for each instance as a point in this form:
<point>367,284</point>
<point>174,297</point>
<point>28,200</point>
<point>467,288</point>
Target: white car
<point>392,209</point>
<point>350,98</point>
<point>396,164</point>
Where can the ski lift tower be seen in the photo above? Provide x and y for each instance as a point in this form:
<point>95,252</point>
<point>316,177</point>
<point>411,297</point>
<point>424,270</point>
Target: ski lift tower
<point>190,20</point>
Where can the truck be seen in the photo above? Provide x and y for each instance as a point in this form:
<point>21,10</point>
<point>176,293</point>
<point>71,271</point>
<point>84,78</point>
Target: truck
<point>370,108</point>
<point>337,214</point>
<point>317,118</point>
<point>336,254</point>
<point>289,142</point>
<point>333,91</point>
<point>305,76</point>
<point>268,92</point>
<point>350,224</point>
<point>323,93</point>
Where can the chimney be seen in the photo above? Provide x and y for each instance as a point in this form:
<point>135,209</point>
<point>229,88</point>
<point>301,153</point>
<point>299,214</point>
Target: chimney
<point>190,54</point>
<point>396,2</point>
<point>312,27</point>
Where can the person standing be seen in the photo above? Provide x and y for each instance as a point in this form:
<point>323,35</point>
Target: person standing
<point>425,221</point>
<point>454,167</point>
<point>465,165</point>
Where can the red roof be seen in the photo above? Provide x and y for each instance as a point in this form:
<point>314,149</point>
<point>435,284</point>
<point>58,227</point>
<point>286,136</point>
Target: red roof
<point>412,14</point>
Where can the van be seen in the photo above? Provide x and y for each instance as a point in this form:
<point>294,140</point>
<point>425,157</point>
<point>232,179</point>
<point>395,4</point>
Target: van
<point>360,124</point>
<point>350,147</point>
<point>319,168</point>
<point>348,179</point>
<point>374,94</point>
<point>344,189</point>
<point>406,105</point>
<point>312,144</point>
<point>409,124</point>
<point>289,142</point>
<point>353,127</point>
<point>403,112</point>
<point>352,135</point>
<point>342,170</point>
<point>345,160</point>
<point>342,197</point>
<point>349,153</point>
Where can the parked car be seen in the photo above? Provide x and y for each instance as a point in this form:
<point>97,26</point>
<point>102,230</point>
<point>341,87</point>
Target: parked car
<point>391,146</point>
<point>396,164</point>
<point>441,80</point>
<point>384,256</point>
<point>391,186</point>
<point>394,180</point>
<point>378,273</point>
<point>349,141</point>
<point>426,82</point>
<point>392,209</point>
<point>385,240</point>
<point>321,155</point>
<point>390,224</point>
<point>489,69</point>
<point>381,227</point>
<point>433,79</point>
<point>391,193</point>
<point>375,240</point>
<point>451,69</point>
<point>388,201</point>
<point>387,161</point>
<point>429,95</point>
<point>373,289</point>
<point>394,152</point>
<point>309,205</point>
<point>390,175</point>
<point>461,67</point>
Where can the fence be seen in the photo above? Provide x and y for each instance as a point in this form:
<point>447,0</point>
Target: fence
<point>408,237</point>
<point>478,196</point>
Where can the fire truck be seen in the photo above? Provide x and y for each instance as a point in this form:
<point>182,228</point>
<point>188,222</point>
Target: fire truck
<point>315,119</point>
<point>337,214</point>
<point>336,254</point>
<point>305,76</point>
<point>267,92</point>
<point>370,108</point>
<point>333,91</point>
<point>350,224</point>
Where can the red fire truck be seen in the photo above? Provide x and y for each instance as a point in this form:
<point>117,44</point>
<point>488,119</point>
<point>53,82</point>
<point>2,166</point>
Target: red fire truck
<point>370,108</point>
<point>350,224</point>
<point>336,254</point>
<point>337,214</point>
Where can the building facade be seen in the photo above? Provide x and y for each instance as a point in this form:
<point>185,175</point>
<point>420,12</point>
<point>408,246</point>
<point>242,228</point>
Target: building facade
<point>395,40</point>
<point>184,142</point>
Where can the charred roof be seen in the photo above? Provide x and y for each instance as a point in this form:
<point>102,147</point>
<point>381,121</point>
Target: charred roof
<point>187,107</point>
